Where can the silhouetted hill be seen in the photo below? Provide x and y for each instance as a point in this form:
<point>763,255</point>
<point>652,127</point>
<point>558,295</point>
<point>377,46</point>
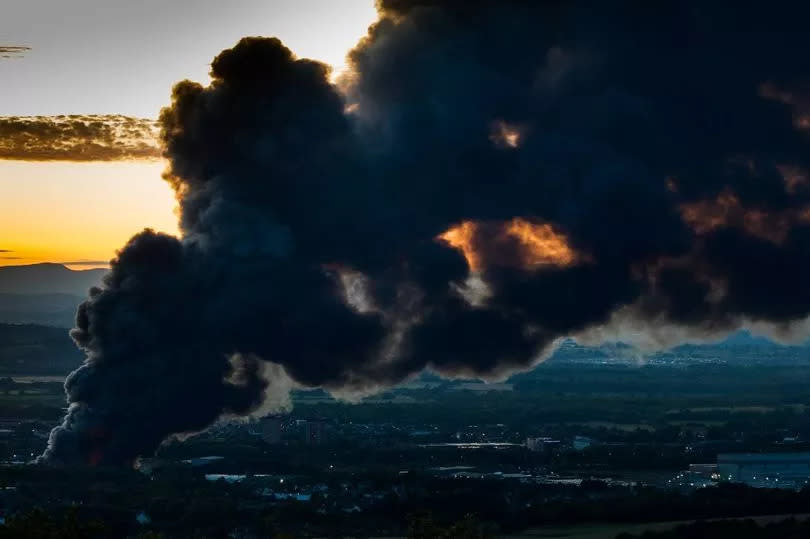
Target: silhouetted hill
<point>48,279</point>
<point>44,293</point>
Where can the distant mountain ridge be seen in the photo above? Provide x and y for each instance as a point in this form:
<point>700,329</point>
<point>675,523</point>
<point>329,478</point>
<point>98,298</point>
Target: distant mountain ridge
<point>46,294</point>
<point>48,279</point>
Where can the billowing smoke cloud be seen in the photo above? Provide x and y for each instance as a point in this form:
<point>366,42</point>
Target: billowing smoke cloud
<point>493,176</point>
<point>78,138</point>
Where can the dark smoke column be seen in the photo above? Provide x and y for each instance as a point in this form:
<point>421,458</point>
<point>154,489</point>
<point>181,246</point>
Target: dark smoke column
<point>496,175</point>
<point>173,335</point>
<point>150,371</point>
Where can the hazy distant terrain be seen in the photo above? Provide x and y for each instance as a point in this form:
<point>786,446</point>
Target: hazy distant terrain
<point>48,279</point>
<point>46,294</point>
<point>41,349</point>
<point>38,303</point>
<point>58,310</point>
<point>740,348</point>
<point>36,350</point>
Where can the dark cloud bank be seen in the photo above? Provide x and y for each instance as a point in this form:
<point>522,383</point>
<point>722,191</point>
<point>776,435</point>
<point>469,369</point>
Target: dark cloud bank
<point>494,176</point>
<point>78,138</point>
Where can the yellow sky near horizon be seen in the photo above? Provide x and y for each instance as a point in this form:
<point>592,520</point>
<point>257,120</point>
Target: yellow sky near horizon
<point>79,212</point>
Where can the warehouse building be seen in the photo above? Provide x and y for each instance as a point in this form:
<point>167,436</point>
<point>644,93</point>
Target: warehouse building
<point>781,470</point>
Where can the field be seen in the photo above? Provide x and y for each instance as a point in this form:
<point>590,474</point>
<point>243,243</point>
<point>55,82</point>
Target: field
<point>609,531</point>
<point>799,408</point>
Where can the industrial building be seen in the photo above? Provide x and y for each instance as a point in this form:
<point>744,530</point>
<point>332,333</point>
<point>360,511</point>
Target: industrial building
<point>781,470</point>
<point>541,444</point>
<point>581,443</point>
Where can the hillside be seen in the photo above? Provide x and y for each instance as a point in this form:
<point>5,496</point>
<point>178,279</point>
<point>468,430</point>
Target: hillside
<point>48,279</point>
<point>46,294</point>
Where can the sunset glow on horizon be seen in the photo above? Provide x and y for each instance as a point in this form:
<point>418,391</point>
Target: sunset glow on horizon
<point>79,214</point>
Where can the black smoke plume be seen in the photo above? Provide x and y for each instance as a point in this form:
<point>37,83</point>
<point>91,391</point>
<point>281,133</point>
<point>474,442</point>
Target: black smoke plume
<point>492,176</point>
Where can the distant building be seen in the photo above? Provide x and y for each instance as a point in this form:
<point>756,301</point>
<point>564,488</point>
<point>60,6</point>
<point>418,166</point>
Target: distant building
<point>457,472</point>
<point>707,470</point>
<point>783,470</point>
<point>582,442</point>
<point>688,481</point>
<point>541,444</point>
<point>203,461</point>
<point>697,476</point>
<point>228,478</point>
<point>314,433</point>
<point>271,430</point>
<point>694,432</point>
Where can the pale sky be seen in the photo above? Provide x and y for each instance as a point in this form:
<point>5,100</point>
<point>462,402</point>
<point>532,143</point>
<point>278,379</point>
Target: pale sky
<point>122,57</point>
